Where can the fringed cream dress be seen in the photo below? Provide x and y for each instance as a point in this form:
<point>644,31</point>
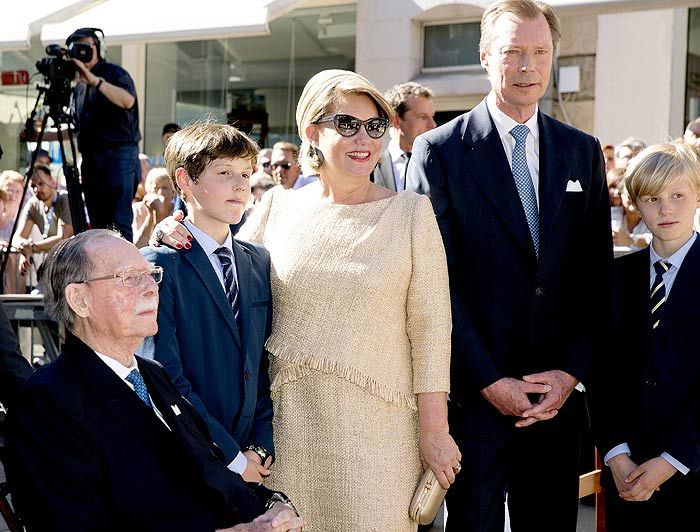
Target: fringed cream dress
<point>361,324</point>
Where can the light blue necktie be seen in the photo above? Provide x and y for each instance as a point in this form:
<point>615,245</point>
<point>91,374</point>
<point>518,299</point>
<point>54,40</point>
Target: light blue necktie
<point>523,182</point>
<point>136,380</point>
<point>226,260</point>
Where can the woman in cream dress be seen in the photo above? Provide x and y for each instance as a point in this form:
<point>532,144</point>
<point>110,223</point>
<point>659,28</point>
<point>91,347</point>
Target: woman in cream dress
<point>360,340</point>
<point>360,343</point>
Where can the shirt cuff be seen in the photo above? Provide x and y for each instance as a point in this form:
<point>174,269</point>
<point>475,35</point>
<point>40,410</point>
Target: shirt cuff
<point>675,463</point>
<point>623,448</point>
<point>238,464</point>
<point>580,387</point>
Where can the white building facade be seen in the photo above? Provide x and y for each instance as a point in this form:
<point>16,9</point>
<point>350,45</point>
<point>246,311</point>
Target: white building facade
<point>624,67</point>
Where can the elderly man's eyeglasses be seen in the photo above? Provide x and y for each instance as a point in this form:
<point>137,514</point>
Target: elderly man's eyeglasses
<point>131,278</point>
<point>285,165</point>
<point>348,125</point>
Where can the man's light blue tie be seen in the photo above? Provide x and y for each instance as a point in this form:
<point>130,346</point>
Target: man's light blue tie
<point>523,182</point>
<point>136,380</point>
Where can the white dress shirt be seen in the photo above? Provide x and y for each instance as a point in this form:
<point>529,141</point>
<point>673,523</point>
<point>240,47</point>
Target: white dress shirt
<point>669,277</point>
<point>504,124</point>
<point>398,165</point>
<point>303,180</point>
<point>209,245</point>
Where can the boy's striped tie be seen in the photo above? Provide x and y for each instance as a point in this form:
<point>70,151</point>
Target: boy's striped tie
<point>657,298</point>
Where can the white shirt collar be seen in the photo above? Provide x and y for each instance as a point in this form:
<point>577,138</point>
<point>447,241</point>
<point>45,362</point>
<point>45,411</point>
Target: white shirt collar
<point>396,152</point>
<point>677,258</point>
<point>117,367</point>
<point>504,123</point>
<point>209,245</point>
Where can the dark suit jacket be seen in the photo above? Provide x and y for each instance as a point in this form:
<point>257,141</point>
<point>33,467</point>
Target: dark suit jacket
<point>649,393</point>
<point>383,174</point>
<point>221,370</point>
<point>14,368</point>
<point>85,453</point>
<point>514,313</point>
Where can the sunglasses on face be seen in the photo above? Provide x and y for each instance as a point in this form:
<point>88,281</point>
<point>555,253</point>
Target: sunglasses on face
<point>347,125</point>
<point>266,164</point>
<point>286,166</point>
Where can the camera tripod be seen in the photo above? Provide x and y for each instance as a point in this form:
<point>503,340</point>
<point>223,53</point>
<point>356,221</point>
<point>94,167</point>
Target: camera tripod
<point>57,102</point>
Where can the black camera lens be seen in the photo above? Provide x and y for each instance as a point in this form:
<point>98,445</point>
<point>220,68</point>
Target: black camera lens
<point>81,51</point>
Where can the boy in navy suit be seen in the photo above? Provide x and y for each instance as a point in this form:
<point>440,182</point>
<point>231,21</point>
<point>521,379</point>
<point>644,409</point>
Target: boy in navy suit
<point>215,306</point>
<point>648,400</point>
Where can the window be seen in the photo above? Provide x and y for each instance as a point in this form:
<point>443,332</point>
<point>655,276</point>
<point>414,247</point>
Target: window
<point>253,82</point>
<point>451,46</point>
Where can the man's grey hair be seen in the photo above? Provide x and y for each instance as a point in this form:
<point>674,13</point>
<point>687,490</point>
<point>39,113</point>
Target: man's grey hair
<point>633,143</point>
<point>68,262</point>
<point>526,9</point>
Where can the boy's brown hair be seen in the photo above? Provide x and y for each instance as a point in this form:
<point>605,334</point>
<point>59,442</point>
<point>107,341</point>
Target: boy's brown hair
<point>196,145</point>
<point>661,165</point>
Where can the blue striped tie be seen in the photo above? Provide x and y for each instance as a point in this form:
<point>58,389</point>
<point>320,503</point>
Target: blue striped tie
<point>523,182</point>
<point>139,385</point>
<point>226,260</point>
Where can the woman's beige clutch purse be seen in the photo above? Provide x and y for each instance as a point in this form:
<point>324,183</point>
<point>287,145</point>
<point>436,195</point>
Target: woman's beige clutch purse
<point>427,499</point>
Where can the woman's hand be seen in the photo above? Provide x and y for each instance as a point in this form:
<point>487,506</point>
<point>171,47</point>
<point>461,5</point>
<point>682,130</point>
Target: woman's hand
<point>171,232</point>
<point>439,452</point>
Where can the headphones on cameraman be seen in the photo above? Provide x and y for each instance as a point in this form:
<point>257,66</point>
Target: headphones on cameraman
<point>96,33</point>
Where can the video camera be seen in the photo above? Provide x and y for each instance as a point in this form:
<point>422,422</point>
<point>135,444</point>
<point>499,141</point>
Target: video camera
<point>58,64</point>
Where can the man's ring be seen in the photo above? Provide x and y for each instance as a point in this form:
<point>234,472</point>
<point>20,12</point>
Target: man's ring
<point>158,235</point>
<point>458,467</point>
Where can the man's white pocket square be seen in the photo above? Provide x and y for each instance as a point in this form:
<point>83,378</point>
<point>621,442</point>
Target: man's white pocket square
<point>176,409</point>
<point>574,186</point>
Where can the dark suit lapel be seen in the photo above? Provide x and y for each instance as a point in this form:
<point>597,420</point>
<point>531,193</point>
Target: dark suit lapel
<point>169,401</point>
<point>106,388</point>
<point>637,297</point>
<point>684,290</point>
<point>487,165</point>
<point>200,263</point>
<point>554,174</point>
<point>245,275</point>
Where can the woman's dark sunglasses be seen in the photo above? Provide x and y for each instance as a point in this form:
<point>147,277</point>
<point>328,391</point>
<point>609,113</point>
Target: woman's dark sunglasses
<point>348,125</point>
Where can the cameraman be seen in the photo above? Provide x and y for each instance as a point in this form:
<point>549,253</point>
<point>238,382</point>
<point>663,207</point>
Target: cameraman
<point>107,116</point>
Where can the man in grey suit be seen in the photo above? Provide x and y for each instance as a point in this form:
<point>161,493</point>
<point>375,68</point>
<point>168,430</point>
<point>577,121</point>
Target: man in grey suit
<point>413,114</point>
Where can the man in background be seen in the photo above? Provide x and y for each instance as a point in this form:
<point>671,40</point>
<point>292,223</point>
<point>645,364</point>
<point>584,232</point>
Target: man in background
<point>108,135</point>
<point>49,211</point>
<point>284,162</point>
<point>414,113</point>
